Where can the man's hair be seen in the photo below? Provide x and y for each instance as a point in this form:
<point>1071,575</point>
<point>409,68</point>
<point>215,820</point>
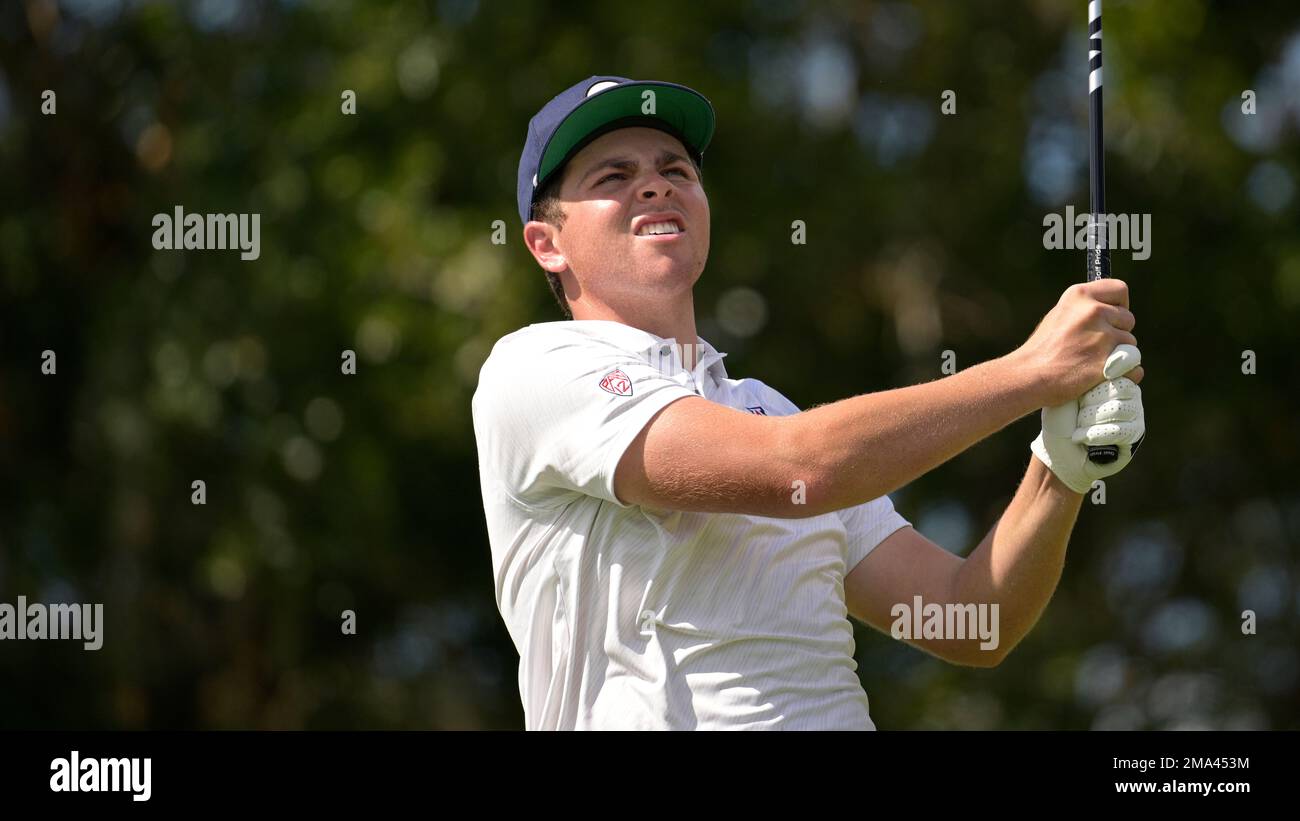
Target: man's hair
<point>546,208</point>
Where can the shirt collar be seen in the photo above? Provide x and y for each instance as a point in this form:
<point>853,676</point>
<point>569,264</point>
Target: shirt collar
<point>651,347</point>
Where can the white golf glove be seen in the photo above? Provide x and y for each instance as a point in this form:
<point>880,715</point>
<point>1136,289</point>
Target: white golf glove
<point>1109,414</point>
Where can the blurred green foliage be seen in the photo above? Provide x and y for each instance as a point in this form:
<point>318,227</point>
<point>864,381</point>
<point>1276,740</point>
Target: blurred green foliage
<point>328,492</point>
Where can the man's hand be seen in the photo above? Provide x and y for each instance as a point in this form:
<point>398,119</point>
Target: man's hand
<point>1109,414</point>
<point>1066,352</point>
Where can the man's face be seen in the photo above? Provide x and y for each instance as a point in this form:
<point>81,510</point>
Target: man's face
<point>618,192</point>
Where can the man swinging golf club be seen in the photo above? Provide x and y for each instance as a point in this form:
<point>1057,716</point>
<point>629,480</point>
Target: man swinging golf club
<point>674,548</point>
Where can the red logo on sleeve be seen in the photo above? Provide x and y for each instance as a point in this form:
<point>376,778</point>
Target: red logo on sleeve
<point>617,383</point>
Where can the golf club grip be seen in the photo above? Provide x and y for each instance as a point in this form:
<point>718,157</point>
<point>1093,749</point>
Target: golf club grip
<point>1098,250</point>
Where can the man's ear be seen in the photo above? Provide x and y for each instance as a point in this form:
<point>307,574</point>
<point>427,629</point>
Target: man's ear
<point>539,238</point>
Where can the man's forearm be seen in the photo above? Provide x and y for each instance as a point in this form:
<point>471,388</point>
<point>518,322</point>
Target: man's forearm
<point>1018,564</point>
<point>864,447</point>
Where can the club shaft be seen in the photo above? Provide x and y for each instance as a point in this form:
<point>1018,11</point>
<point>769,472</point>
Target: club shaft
<point>1099,248</point>
<point>1099,243</point>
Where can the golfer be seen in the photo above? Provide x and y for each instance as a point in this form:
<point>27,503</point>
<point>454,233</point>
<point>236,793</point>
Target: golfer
<point>675,548</point>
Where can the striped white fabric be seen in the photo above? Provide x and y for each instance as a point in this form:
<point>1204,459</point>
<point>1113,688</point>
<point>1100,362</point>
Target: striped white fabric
<point>628,617</point>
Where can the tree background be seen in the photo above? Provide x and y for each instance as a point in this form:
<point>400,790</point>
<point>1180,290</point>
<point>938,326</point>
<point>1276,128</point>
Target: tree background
<point>328,492</point>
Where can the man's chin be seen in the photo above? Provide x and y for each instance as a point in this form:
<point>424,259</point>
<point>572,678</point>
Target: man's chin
<point>667,260</point>
<point>678,274</point>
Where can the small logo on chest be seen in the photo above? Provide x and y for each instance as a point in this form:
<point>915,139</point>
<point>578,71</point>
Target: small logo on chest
<point>617,383</point>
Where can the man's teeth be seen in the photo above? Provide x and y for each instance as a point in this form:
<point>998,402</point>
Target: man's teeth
<point>658,228</point>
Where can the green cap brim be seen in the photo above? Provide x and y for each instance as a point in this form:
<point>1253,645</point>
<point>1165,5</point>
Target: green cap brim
<point>685,113</point>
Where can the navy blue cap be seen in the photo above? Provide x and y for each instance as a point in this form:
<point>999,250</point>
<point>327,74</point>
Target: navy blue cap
<point>598,105</point>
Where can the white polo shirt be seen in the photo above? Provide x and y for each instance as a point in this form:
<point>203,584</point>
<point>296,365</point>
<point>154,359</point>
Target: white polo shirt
<point>628,617</point>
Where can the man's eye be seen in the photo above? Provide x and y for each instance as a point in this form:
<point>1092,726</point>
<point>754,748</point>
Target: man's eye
<point>607,177</point>
<point>681,171</point>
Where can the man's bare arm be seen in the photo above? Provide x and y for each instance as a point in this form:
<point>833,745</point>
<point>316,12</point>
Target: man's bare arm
<point>1016,566</point>
<point>863,448</point>
<point>696,455</point>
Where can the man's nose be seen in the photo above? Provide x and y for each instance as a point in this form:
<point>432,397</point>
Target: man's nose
<point>657,187</point>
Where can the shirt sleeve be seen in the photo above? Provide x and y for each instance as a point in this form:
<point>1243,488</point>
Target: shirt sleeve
<point>554,414</point>
<point>866,525</point>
